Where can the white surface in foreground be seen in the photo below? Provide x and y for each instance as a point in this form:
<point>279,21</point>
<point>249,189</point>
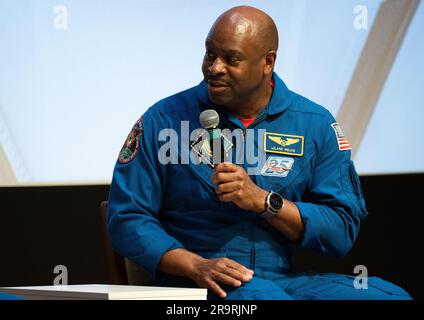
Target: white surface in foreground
<point>106,292</point>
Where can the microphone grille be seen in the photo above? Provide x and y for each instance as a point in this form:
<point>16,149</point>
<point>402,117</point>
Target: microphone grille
<point>209,119</point>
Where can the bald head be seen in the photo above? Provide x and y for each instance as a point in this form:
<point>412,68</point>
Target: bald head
<point>238,65</point>
<point>245,22</point>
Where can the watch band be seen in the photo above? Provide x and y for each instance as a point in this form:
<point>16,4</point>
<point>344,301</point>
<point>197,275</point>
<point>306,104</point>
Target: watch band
<point>268,214</point>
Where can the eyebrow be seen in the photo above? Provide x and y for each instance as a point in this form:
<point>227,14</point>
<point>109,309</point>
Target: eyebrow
<point>233,52</point>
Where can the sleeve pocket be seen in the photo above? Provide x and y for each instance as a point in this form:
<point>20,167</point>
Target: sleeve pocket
<point>352,186</point>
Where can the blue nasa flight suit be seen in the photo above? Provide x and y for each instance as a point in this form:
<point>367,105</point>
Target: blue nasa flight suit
<point>6,296</point>
<point>154,207</point>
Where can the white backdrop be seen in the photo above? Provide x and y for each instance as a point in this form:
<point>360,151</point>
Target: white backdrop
<point>76,75</point>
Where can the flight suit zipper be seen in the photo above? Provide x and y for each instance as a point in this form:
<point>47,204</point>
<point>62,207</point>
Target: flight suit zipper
<point>258,120</point>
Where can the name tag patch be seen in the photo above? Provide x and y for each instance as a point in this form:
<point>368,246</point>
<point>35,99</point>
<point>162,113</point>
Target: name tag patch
<point>277,166</point>
<point>284,144</point>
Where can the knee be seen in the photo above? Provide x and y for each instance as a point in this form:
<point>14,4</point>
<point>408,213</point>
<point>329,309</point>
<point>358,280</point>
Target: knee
<point>255,289</point>
<point>379,289</point>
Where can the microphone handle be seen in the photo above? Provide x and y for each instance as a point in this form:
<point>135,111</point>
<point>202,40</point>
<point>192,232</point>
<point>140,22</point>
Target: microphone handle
<point>217,145</point>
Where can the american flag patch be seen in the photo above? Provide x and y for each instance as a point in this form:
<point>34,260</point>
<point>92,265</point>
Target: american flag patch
<point>341,138</point>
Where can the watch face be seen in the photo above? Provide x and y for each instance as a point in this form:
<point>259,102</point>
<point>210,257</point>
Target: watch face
<point>276,201</point>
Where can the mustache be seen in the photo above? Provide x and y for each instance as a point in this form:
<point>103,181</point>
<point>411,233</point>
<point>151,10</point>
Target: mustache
<point>217,81</point>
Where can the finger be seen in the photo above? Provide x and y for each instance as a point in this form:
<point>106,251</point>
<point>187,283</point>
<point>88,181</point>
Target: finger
<point>228,197</point>
<point>212,285</point>
<point>236,196</point>
<point>228,187</point>
<point>239,267</point>
<point>233,269</point>
<point>222,177</point>
<point>238,275</point>
<point>226,167</point>
<point>225,279</point>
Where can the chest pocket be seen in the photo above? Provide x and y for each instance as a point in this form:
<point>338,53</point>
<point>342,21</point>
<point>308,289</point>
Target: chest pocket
<point>189,186</point>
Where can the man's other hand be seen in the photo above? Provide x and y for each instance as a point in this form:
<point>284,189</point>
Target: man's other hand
<point>209,273</point>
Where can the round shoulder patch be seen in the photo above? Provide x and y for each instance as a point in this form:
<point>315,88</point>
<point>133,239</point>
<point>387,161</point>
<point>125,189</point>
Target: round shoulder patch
<point>131,145</point>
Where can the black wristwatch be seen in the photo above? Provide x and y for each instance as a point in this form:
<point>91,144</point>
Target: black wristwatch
<point>273,204</point>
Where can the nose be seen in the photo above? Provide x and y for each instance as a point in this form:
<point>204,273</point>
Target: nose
<point>217,67</point>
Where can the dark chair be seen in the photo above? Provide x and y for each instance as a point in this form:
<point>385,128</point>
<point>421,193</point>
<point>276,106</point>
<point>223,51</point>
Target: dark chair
<point>121,271</point>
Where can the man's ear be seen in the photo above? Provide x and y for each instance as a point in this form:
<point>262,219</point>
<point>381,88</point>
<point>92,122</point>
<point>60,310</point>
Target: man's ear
<point>270,58</point>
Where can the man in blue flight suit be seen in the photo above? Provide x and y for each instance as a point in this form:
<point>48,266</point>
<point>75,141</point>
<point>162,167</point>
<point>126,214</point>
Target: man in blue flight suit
<point>224,229</point>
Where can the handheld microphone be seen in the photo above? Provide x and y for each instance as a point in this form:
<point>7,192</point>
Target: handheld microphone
<point>209,119</point>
